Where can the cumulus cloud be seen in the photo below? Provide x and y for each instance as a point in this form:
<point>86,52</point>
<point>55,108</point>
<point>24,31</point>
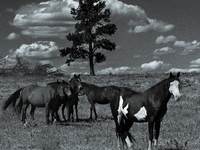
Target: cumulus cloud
<point>154,65</point>
<point>46,62</point>
<point>189,47</point>
<point>40,50</point>
<point>76,66</point>
<point>155,25</point>
<point>162,39</point>
<point>12,36</point>
<point>195,63</point>
<point>51,18</point>
<point>110,70</point>
<point>137,14</point>
<point>183,70</point>
<point>164,51</point>
<point>180,44</point>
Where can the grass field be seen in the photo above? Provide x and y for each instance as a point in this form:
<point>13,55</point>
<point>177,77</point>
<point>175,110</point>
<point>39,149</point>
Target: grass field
<point>180,128</point>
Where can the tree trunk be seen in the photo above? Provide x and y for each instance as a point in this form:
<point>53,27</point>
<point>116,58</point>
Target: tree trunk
<point>92,68</point>
<point>91,60</point>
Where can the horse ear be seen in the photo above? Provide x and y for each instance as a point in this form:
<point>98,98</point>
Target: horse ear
<point>75,76</point>
<point>63,81</point>
<point>58,82</point>
<point>170,75</point>
<point>79,76</point>
<point>178,74</point>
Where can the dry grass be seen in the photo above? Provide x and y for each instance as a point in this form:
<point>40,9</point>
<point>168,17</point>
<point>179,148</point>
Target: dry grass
<point>179,130</point>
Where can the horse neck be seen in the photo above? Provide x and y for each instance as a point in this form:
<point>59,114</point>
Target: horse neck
<point>162,88</point>
<point>87,87</point>
<point>53,89</point>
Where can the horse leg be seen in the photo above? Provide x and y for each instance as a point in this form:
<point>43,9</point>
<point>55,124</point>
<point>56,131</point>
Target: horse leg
<point>124,132</point>
<point>57,116</point>
<point>150,127</point>
<point>71,109</point>
<point>157,131</point>
<point>95,113</point>
<point>70,112</point>
<point>94,109</point>
<point>63,112</point>
<point>32,112</point>
<point>24,108</point>
<point>47,113</point>
<point>76,106</point>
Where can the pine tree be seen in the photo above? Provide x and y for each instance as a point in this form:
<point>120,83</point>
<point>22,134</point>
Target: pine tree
<point>90,34</point>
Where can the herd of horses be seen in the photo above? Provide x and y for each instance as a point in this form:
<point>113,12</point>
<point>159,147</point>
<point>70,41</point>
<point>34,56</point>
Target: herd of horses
<point>127,106</point>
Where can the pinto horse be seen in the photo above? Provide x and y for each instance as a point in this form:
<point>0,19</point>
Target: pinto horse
<point>149,106</point>
<point>49,97</point>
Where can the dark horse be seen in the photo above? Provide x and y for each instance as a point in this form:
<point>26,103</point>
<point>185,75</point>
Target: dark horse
<point>48,97</point>
<point>72,100</point>
<point>100,95</point>
<point>149,106</point>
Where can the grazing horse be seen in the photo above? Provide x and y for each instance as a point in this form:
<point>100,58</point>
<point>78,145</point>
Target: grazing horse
<point>49,97</point>
<point>76,89</point>
<point>100,95</point>
<point>149,106</point>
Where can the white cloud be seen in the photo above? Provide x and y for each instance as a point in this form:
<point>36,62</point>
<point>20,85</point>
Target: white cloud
<point>183,70</point>
<point>154,65</point>
<point>195,63</point>
<point>162,39</point>
<point>119,8</point>
<point>76,66</point>
<point>155,25</point>
<point>46,31</point>
<point>46,62</point>
<point>136,56</point>
<point>51,70</point>
<point>190,47</point>
<point>12,36</point>
<point>164,51</point>
<point>53,19</point>
<point>120,70</point>
<point>40,50</point>
<point>187,52</point>
<point>180,44</point>
<point>46,19</point>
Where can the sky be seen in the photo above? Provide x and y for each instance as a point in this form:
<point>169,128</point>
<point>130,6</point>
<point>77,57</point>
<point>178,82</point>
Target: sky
<point>151,36</point>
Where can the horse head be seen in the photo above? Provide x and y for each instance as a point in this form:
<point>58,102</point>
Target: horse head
<point>66,88</point>
<point>60,89</point>
<point>174,86</point>
<point>75,84</point>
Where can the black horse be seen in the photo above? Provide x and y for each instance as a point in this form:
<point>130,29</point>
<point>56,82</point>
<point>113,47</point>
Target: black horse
<point>48,96</point>
<point>149,106</point>
<point>72,100</point>
<point>100,95</point>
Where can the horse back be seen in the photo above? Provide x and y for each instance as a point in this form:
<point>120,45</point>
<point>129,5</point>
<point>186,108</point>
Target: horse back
<point>37,95</point>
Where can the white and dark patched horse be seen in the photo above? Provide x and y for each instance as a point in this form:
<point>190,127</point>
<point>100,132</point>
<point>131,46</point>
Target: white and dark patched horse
<point>148,106</point>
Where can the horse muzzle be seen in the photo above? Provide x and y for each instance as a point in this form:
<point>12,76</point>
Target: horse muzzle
<point>177,97</point>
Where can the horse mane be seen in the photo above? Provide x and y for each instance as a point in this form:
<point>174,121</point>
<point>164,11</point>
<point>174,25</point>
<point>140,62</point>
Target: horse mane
<point>89,84</point>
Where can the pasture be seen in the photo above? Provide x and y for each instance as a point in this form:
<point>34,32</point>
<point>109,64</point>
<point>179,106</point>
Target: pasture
<point>180,128</point>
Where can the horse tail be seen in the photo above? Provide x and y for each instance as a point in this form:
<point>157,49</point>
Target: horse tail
<point>123,125</point>
<point>13,98</point>
<point>18,108</point>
